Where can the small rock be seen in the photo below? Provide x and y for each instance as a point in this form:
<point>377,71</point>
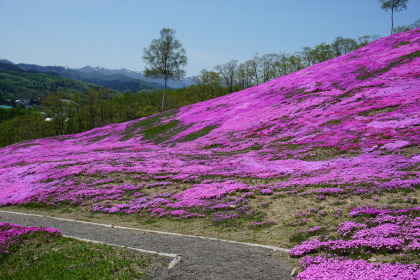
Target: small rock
<point>372,259</point>
<point>293,272</point>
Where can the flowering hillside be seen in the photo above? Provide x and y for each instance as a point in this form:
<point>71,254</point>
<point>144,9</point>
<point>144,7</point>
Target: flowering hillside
<point>344,128</point>
<point>350,122</point>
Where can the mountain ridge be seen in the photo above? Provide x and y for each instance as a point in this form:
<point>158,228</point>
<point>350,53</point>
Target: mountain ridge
<point>98,75</point>
<point>138,75</point>
<point>17,83</point>
<point>116,82</point>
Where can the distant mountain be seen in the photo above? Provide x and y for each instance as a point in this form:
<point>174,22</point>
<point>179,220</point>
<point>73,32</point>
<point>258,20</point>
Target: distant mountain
<point>7,65</point>
<point>122,80</point>
<point>188,81</point>
<point>118,82</point>
<point>6,61</point>
<point>106,71</point>
<point>18,83</point>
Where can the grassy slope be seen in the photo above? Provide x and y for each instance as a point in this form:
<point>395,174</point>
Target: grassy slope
<point>40,256</point>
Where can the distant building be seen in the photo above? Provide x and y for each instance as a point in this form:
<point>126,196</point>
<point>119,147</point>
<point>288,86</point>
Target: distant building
<point>27,103</point>
<point>24,102</point>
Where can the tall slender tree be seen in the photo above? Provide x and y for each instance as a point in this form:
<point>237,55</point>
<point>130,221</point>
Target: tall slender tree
<point>228,73</point>
<point>165,57</point>
<point>393,5</point>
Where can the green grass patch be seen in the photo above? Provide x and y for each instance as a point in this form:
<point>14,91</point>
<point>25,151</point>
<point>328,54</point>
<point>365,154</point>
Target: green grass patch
<point>145,124</point>
<point>291,146</point>
<point>399,61</point>
<point>212,177</point>
<point>377,111</point>
<point>284,139</point>
<point>410,56</point>
<point>155,131</point>
<point>323,153</point>
<point>197,134</point>
<point>99,138</point>
<point>168,135</point>
<point>213,146</point>
<point>38,205</point>
<point>294,92</point>
<point>402,44</point>
<point>239,222</point>
<point>333,122</point>
<point>41,257</point>
<point>353,91</point>
<point>153,120</point>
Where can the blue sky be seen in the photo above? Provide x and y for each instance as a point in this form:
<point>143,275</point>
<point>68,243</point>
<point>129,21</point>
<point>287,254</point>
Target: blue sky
<point>113,33</point>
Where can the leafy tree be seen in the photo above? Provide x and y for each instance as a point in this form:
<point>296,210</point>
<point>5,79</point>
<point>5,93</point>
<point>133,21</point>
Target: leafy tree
<point>295,63</point>
<point>342,46</point>
<point>267,66</point>
<point>308,56</point>
<point>282,66</point>
<point>415,24</point>
<point>165,57</point>
<point>366,39</point>
<point>243,75</point>
<point>320,53</point>
<point>403,28</point>
<point>323,52</point>
<point>254,65</point>
<point>54,106</point>
<point>211,82</point>
<point>228,73</point>
<point>393,5</point>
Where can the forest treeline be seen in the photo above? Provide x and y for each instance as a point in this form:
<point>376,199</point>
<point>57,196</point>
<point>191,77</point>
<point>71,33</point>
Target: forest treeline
<point>65,112</point>
<point>262,68</point>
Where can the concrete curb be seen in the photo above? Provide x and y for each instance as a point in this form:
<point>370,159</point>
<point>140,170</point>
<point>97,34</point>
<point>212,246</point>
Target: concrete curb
<point>176,258</point>
<point>274,248</point>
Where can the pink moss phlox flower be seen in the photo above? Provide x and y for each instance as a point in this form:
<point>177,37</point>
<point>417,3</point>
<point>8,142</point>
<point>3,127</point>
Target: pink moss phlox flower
<point>267,191</point>
<point>390,230</point>
<point>10,234</point>
<point>321,268</point>
<point>348,227</point>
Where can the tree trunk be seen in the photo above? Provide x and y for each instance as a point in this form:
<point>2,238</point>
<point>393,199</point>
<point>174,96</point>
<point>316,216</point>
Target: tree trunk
<point>163,94</point>
<point>392,21</point>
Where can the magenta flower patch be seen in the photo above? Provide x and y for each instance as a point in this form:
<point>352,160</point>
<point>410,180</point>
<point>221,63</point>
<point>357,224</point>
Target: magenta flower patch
<point>384,232</point>
<point>342,123</point>
<point>321,268</point>
<point>10,234</point>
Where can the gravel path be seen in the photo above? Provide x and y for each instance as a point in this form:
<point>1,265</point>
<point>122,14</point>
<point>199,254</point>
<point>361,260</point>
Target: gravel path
<point>200,258</point>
